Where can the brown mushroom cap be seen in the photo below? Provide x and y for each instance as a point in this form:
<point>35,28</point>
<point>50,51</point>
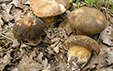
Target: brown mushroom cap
<point>47,8</point>
<point>87,20</point>
<point>28,28</point>
<point>83,40</point>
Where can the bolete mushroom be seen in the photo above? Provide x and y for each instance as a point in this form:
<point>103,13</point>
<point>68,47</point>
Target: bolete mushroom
<point>49,8</point>
<point>29,29</point>
<point>87,21</point>
<point>79,53</point>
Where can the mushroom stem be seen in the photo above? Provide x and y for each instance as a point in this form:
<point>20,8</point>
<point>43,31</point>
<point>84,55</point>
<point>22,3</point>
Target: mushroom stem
<point>50,19</point>
<point>82,52</point>
<point>82,33</point>
<point>78,56</point>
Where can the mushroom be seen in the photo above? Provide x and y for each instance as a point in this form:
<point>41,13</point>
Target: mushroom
<point>87,21</point>
<point>47,9</point>
<point>79,53</point>
<point>29,29</point>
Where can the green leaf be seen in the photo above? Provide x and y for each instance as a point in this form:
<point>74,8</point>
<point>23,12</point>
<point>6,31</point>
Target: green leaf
<point>77,3</point>
<point>92,2</point>
<point>108,4</point>
<point>111,9</point>
<point>88,2</point>
<point>10,36</point>
<point>1,37</point>
<point>105,1</point>
<point>1,42</point>
<point>71,1</point>
<point>9,31</point>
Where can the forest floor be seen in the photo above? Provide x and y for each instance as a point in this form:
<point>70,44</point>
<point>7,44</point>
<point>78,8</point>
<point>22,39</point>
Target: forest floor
<point>50,54</point>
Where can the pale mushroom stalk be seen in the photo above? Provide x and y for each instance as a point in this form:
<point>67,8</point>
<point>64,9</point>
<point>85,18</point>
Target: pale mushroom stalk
<point>78,56</point>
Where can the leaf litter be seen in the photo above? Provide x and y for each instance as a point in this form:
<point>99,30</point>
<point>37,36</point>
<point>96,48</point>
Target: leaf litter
<point>51,53</point>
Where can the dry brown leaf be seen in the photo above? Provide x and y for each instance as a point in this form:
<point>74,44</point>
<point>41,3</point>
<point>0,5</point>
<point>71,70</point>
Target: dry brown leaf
<point>111,19</point>
<point>4,1</point>
<point>66,25</point>
<point>16,13</point>
<point>25,1</point>
<point>5,60</point>
<point>108,55</point>
<point>27,64</point>
<point>16,3</point>
<point>60,62</point>
<point>106,69</point>
<point>39,58</point>
<point>102,60</point>
<point>56,48</point>
<point>45,63</point>
<point>15,42</point>
<point>55,39</point>
<point>1,23</point>
<point>106,36</point>
<point>46,69</point>
<point>62,33</point>
<point>5,11</point>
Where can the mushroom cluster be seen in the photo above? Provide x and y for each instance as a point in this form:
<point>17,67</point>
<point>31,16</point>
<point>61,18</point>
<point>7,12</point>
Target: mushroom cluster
<point>87,21</point>
<point>47,9</point>
<point>29,29</point>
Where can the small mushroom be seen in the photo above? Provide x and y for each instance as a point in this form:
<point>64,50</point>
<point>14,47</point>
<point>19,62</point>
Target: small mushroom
<point>29,29</point>
<point>87,21</point>
<point>79,53</point>
<point>49,8</point>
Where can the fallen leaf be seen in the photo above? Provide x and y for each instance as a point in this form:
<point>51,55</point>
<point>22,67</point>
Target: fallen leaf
<point>45,63</point>
<point>16,3</point>
<point>46,69</point>
<point>27,64</point>
<point>1,23</point>
<point>5,11</point>
<point>102,60</point>
<point>56,49</point>
<point>106,36</point>
<point>5,1</point>
<point>66,25</point>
